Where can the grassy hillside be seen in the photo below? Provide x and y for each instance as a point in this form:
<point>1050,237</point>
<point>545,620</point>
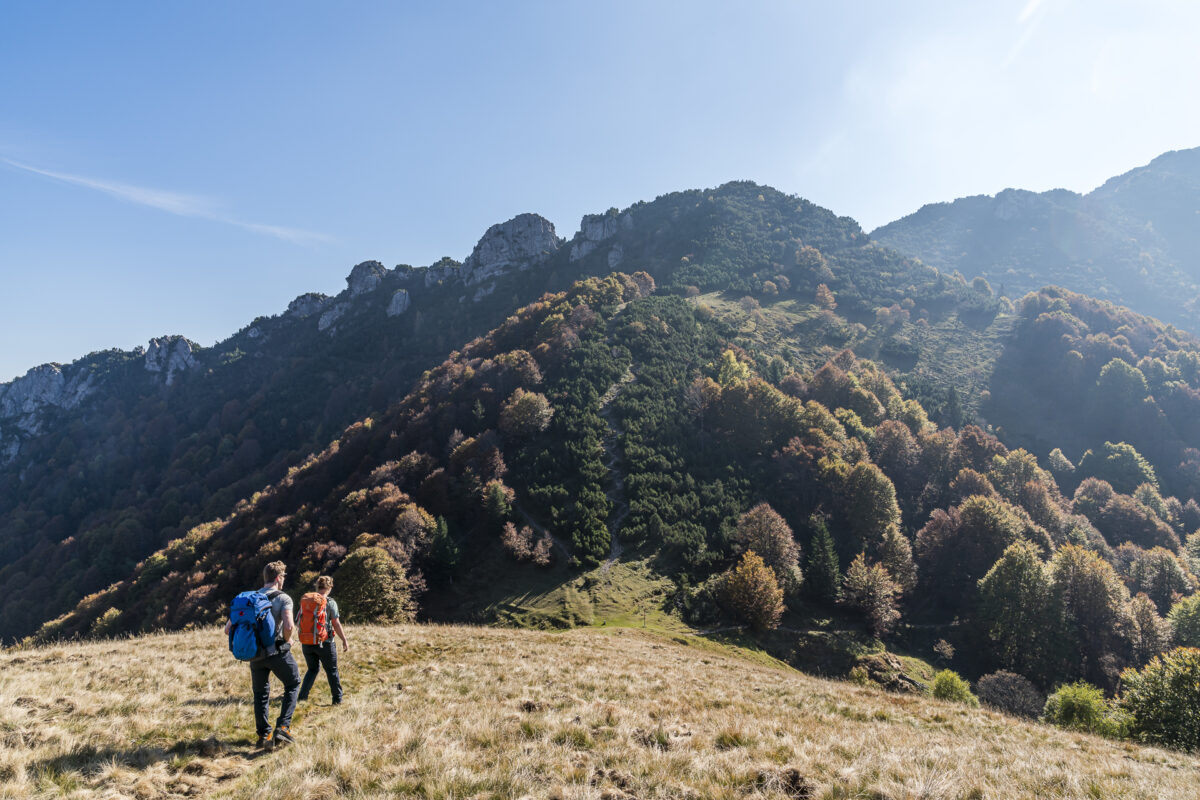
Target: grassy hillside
<point>442,712</point>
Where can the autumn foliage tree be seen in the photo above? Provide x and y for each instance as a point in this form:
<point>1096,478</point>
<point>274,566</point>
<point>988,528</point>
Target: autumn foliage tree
<point>1094,604</point>
<point>525,414</point>
<point>1014,610</point>
<point>753,594</point>
<point>869,589</point>
<point>768,535</point>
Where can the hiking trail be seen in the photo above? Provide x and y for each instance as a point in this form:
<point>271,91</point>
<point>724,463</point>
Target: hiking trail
<point>612,462</point>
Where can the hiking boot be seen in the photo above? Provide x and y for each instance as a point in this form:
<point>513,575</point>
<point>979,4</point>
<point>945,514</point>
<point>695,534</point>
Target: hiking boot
<point>283,736</point>
<point>264,741</point>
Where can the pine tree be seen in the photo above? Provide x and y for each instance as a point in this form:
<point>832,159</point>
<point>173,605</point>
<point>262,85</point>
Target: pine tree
<point>895,553</point>
<point>952,415</point>
<point>443,552</point>
<point>822,576</point>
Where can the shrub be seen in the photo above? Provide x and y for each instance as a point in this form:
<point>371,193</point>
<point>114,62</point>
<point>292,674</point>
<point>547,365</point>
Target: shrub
<point>1080,706</point>
<point>519,542</point>
<point>372,587</point>
<point>1011,693</point>
<point>1163,700</point>
<point>949,685</point>
<point>861,676</point>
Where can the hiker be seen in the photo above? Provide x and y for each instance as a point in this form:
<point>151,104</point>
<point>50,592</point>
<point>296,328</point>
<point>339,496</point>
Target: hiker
<point>319,621</point>
<point>272,657</point>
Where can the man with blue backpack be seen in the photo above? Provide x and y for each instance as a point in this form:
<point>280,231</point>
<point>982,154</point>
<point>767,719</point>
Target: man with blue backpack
<point>260,629</point>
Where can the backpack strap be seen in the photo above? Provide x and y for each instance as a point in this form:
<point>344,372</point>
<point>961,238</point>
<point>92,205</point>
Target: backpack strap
<point>271,595</point>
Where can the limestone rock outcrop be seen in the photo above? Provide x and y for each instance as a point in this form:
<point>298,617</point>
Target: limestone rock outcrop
<point>169,355</point>
<point>23,400</point>
<point>399,304</point>
<point>365,277</point>
<point>442,271</point>
<point>42,386</point>
<point>594,229</point>
<point>523,240</point>
<point>331,316</point>
<point>307,304</point>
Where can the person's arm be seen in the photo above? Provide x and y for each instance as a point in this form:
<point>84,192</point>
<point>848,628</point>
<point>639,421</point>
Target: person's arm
<point>288,625</point>
<point>337,628</point>
<point>228,626</point>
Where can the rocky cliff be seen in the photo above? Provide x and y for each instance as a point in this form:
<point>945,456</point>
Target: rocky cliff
<point>524,240</point>
<point>515,246</point>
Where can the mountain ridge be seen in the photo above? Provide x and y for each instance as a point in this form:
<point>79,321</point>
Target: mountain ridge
<point>1132,240</point>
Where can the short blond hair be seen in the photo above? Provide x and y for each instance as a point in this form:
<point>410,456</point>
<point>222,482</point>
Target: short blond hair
<point>324,582</point>
<point>273,570</point>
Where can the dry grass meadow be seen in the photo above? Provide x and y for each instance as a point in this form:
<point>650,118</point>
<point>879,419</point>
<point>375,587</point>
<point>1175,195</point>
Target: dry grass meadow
<point>462,712</point>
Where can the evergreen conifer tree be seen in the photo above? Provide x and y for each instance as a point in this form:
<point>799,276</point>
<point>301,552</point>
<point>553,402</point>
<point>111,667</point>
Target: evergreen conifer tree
<point>822,576</point>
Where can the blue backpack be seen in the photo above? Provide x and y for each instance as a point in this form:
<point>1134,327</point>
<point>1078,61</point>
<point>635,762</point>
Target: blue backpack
<point>252,631</point>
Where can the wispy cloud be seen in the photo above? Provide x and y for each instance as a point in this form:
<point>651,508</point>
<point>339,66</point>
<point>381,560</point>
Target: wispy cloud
<point>1029,19</point>
<point>177,203</point>
<point>1028,11</point>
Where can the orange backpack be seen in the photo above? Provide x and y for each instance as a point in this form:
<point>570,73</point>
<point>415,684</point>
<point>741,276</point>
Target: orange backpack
<point>314,628</point>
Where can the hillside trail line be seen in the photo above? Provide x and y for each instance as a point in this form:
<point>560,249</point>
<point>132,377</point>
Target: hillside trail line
<point>612,462</point>
<point>616,492</point>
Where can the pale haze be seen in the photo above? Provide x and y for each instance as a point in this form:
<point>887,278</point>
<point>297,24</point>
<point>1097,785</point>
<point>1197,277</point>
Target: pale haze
<point>184,168</point>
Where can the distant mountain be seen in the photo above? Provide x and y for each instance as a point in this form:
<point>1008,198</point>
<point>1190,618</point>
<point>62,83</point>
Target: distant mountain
<point>1134,241</point>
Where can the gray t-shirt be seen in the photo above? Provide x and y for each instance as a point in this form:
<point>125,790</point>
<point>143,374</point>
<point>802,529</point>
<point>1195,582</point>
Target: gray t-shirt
<point>281,603</point>
<point>331,613</point>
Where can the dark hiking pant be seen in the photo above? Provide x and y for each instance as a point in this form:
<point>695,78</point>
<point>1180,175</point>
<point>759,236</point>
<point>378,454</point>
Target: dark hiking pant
<point>282,666</point>
<point>323,655</point>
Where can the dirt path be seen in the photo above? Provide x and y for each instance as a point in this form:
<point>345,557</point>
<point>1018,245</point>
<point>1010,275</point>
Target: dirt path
<point>612,461</point>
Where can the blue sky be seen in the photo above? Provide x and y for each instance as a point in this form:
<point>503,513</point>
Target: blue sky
<point>186,167</point>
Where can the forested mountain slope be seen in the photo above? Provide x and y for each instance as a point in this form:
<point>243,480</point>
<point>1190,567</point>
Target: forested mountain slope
<point>1134,241</point>
<point>107,459</point>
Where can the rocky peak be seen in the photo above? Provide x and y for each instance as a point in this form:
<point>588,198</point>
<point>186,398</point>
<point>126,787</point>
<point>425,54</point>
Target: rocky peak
<point>169,355</point>
<point>42,386</point>
<point>443,270</point>
<point>523,240</point>
<point>1013,203</point>
<point>365,277</point>
<point>595,229</point>
<point>307,304</point>
<point>23,400</point>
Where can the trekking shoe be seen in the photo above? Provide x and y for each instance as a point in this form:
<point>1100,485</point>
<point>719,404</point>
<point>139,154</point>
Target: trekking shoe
<point>264,741</point>
<point>283,736</point>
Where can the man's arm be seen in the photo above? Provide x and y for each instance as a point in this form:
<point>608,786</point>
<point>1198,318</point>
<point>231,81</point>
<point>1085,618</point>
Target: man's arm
<point>337,628</point>
<point>288,624</point>
<point>228,626</point>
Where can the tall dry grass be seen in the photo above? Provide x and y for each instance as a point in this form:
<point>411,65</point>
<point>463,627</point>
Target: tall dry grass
<point>459,712</point>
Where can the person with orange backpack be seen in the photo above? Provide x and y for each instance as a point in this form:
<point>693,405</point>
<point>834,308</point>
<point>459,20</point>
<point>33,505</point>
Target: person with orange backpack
<point>319,621</point>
